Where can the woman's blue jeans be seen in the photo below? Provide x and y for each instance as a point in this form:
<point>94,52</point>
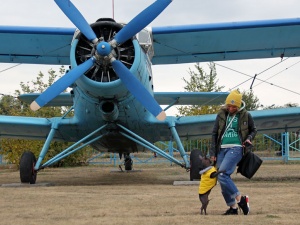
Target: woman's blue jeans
<point>227,160</point>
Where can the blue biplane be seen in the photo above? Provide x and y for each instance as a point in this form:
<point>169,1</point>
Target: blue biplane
<point>115,107</point>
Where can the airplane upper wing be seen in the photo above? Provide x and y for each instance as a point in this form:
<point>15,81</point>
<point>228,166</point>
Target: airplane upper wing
<point>35,45</point>
<point>226,41</point>
<point>172,44</point>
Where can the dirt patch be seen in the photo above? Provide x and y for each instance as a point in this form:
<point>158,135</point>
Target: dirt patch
<point>96,195</point>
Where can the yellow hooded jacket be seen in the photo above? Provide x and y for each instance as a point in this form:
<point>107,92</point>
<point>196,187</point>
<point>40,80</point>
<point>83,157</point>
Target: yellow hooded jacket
<point>207,183</point>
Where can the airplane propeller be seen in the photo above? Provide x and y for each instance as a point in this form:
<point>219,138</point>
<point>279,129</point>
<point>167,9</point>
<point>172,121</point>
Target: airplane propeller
<point>62,84</point>
<point>141,20</point>
<point>77,19</point>
<point>105,49</point>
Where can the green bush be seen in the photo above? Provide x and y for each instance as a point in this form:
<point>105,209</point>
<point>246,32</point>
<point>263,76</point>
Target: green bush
<point>12,150</point>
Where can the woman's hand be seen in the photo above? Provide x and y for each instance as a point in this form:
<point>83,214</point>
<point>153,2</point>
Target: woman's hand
<point>247,143</point>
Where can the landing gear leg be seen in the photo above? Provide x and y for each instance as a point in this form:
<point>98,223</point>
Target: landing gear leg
<point>127,161</point>
<point>27,171</point>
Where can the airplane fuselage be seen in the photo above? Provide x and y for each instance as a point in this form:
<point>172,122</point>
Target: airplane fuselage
<point>101,98</point>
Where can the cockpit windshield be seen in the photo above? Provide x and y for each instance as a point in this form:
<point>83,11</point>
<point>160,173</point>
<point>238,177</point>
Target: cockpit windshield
<point>146,41</point>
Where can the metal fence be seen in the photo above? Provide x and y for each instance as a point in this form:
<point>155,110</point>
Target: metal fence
<point>284,146</point>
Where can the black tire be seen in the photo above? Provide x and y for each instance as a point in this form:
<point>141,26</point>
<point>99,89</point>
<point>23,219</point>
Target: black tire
<point>27,172</point>
<point>196,164</point>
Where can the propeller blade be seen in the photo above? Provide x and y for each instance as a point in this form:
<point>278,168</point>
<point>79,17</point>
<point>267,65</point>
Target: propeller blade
<point>60,85</point>
<point>76,18</point>
<point>141,20</point>
<point>138,90</point>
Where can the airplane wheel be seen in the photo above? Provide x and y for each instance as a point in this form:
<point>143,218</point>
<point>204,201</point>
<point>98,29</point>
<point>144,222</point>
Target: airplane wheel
<point>196,164</point>
<point>27,172</point>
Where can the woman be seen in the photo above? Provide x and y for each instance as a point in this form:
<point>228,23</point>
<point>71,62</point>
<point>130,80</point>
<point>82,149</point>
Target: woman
<point>233,128</point>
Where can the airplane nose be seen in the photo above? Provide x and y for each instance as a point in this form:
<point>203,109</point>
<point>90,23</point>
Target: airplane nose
<point>103,48</point>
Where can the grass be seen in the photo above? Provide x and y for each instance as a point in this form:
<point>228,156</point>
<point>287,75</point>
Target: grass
<point>98,195</point>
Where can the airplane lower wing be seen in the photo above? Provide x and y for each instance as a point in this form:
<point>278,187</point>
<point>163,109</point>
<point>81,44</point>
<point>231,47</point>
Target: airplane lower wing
<point>163,98</point>
<point>190,98</point>
<point>226,41</point>
<point>188,127</point>
<point>63,99</point>
<point>266,121</point>
<point>38,128</point>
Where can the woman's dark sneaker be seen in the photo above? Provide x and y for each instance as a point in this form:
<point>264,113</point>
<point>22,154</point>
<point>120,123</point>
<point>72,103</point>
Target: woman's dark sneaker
<point>231,211</point>
<point>244,204</point>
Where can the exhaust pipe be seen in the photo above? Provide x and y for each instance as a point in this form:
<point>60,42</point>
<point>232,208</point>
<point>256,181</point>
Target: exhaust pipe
<point>109,110</point>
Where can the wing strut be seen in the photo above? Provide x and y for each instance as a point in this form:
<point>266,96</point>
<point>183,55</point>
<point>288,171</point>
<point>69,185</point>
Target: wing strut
<point>180,146</point>
<point>74,148</point>
<point>141,141</point>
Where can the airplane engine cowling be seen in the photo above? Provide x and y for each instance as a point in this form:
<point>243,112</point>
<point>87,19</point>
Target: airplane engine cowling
<point>101,81</point>
<point>102,71</point>
<point>109,110</point>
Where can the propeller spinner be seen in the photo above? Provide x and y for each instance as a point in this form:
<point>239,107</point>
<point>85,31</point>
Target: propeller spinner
<point>105,49</point>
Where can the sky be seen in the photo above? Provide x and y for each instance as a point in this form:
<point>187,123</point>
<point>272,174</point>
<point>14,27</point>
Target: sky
<point>231,74</point>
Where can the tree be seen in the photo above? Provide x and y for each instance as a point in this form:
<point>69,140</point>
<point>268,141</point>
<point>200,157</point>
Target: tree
<point>250,100</point>
<point>200,81</point>
<point>9,105</point>
<point>12,149</point>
